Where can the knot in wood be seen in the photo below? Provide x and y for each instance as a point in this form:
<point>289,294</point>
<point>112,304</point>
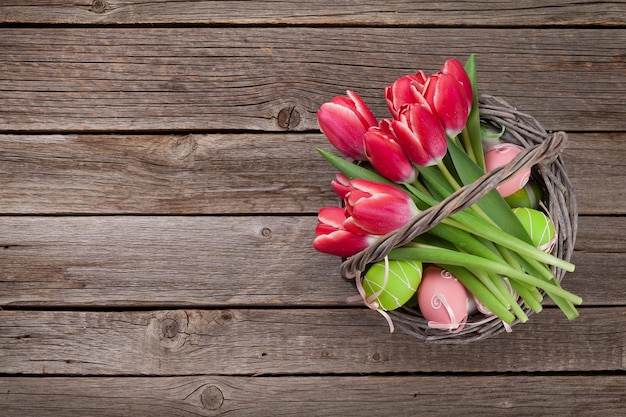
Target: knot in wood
<point>212,398</point>
<point>99,6</point>
<point>169,328</point>
<point>226,316</point>
<point>183,148</point>
<point>289,117</point>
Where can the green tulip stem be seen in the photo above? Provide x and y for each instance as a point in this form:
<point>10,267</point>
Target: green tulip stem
<point>566,306</point>
<point>446,173</point>
<point>484,229</point>
<point>501,291</point>
<point>467,145</point>
<point>465,220</point>
<point>433,254</point>
<point>527,295</point>
<point>455,185</point>
<point>418,186</point>
<point>488,281</point>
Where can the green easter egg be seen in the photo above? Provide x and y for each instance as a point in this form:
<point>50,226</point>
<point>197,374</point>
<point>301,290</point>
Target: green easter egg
<point>402,281</point>
<point>539,227</point>
<point>528,196</point>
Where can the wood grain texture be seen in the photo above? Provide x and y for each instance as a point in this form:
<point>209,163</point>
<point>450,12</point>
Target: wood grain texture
<point>221,261</point>
<point>292,341</point>
<point>396,12</point>
<point>502,395</point>
<point>135,261</point>
<point>164,174</point>
<point>595,165</point>
<point>275,78</point>
<point>227,174</point>
<point>158,191</point>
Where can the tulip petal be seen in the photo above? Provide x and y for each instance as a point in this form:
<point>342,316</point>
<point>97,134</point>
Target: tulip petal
<point>446,97</point>
<point>332,216</point>
<point>350,225</point>
<point>387,156</point>
<point>373,187</point>
<point>343,128</point>
<point>454,67</point>
<point>324,229</point>
<point>341,243</point>
<point>420,134</point>
<point>341,185</point>
<point>362,109</point>
<point>382,213</point>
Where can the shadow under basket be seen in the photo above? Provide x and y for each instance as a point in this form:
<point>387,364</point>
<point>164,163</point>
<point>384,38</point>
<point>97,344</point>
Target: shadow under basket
<point>542,152</point>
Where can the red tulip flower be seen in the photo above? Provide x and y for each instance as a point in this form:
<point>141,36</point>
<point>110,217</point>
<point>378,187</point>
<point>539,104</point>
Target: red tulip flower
<point>344,121</point>
<point>420,134</point>
<point>403,91</point>
<point>454,68</point>
<point>377,209</point>
<point>333,239</point>
<point>448,100</point>
<point>341,185</point>
<point>386,155</point>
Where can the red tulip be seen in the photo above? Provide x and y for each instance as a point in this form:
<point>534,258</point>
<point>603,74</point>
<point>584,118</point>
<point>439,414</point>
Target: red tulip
<point>454,67</point>
<point>403,91</point>
<point>447,98</point>
<point>386,155</point>
<point>376,208</point>
<point>344,121</point>
<point>341,185</point>
<point>333,239</point>
<point>420,134</point>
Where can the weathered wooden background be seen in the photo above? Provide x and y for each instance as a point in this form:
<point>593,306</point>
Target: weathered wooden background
<point>158,192</point>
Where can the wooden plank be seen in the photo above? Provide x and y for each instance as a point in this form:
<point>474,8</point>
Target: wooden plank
<point>595,165</point>
<point>226,173</point>
<point>292,341</point>
<point>135,261</point>
<point>502,395</point>
<point>222,261</point>
<point>275,78</point>
<point>397,12</point>
<point>166,174</point>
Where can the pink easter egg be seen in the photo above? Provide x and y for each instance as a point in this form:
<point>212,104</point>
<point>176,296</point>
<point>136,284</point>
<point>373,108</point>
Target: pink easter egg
<point>442,299</point>
<point>500,155</point>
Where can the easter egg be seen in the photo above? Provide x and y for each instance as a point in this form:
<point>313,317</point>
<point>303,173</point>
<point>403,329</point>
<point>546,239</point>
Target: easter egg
<point>442,299</point>
<point>539,227</point>
<point>500,155</point>
<point>490,136</point>
<point>528,196</point>
<point>393,284</point>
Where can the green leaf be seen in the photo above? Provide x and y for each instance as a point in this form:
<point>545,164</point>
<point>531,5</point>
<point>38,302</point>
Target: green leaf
<point>492,204</point>
<point>352,170</point>
<point>435,182</point>
<point>472,128</point>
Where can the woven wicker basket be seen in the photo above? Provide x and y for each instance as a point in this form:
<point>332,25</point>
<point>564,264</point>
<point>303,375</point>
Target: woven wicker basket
<point>543,153</point>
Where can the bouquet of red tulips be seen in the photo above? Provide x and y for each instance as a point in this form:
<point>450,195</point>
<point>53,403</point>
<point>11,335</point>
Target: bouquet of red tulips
<point>490,260</point>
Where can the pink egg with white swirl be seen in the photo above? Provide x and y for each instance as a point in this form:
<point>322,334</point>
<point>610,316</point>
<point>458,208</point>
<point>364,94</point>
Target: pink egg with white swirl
<point>500,155</point>
<point>442,299</point>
